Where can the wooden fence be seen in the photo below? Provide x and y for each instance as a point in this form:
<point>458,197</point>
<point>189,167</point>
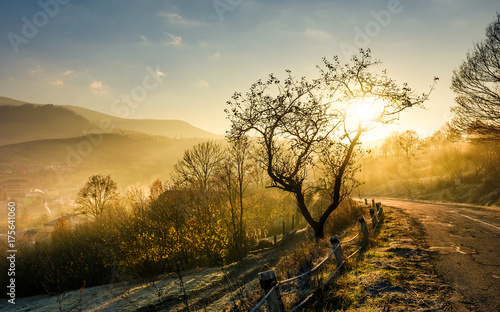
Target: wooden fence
<point>271,287</point>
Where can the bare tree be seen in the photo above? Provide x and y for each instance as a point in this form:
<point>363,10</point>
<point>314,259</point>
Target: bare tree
<point>303,124</point>
<point>476,84</point>
<point>239,152</point>
<point>198,166</point>
<point>138,199</point>
<point>409,142</point>
<point>407,145</point>
<point>156,190</point>
<point>95,195</point>
<point>234,180</point>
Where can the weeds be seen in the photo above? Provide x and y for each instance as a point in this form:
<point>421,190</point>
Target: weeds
<point>385,276</point>
<point>80,298</point>
<point>183,289</point>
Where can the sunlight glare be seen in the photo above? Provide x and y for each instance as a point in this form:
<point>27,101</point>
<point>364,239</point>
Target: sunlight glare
<point>365,110</point>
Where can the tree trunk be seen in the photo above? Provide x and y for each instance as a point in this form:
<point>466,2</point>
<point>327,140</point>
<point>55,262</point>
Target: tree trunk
<point>319,230</point>
<point>240,231</point>
<point>305,212</point>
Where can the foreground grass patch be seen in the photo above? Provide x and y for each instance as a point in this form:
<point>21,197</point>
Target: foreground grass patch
<point>394,273</point>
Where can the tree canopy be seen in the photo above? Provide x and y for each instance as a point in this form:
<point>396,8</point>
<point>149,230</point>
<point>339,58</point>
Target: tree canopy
<point>306,126</point>
<point>198,166</point>
<point>95,195</point>
<point>476,84</point>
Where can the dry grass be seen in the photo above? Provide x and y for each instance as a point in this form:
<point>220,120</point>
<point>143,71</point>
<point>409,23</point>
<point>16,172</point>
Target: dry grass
<point>395,273</point>
<point>344,217</point>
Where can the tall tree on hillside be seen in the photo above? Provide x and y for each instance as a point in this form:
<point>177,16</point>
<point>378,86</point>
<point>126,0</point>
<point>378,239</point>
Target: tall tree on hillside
<point>138,199</point>
<point>476,84</point>
<point>96,195</point>
<point>198,166</point>
<point>302,125</point>
<point>408,144</point>
<point>156,190</point>
<point>234,180</point>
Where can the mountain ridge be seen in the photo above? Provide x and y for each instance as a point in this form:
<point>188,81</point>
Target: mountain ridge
<point>23,122</point>
<point>167,127</point>
<point>129,158</point>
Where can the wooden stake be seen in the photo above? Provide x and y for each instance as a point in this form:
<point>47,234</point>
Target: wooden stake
<point>267,281</point>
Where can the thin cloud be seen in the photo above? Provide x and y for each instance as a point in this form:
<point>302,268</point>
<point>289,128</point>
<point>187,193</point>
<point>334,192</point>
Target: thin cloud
<point>144,40</point>
<point>159,73</point>
<point>316,34</point>
<point>37,70</point>
<point>68,72</point>
<point>174,40</point>
<point>98,87</point>
<point>57,83</point>
<point>175,19</point>
<point>216,56</point>
<point>201,84</point>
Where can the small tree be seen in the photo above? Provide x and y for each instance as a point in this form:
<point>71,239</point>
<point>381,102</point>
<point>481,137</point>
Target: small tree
<point>407,144</point>
<point>198,166</point>
<point>234,180</point>
<point>476,84</point>
<point>138,199</point>
<point>156,190</point>
<point>96,195</point>
<point>302,125</point>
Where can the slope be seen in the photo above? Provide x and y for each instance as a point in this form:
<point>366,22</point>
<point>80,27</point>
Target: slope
<point>67,163</point>
<point>23,122</point>
<point>29,122</point>
<point>169,128</point>
<point>8,101</point>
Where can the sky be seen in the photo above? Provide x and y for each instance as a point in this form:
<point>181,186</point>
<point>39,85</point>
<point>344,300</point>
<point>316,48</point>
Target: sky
<point>184,59</point>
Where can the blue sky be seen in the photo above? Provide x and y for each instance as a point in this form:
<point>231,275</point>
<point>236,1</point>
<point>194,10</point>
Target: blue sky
<point>184,59</point>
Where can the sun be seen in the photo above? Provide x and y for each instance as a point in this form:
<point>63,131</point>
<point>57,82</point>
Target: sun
<point>365,110</point>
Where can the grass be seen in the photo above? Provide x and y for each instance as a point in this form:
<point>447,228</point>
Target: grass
<point>393,274</point>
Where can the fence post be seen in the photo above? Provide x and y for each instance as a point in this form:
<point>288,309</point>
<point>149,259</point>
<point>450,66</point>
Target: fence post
<point>374,218</point>
<point>267,281</point>
<point>380,212</point>
<point>274,240</point>
<point>366,201</point>
<point>293,222</point>
<point>364,228</point>
<point>373,203</point>
<point>339,256</point>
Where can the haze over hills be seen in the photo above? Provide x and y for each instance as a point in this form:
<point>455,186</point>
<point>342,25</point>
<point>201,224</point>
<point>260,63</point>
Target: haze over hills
<point>56,148</point>
<point>28,122</point>
<point>168,128</point>
<point>8,101</point>
<point>23,122</point>
<point>67,163</point>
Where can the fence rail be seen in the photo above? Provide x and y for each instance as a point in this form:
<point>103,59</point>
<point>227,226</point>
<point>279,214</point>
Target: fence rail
<point>271,287</point>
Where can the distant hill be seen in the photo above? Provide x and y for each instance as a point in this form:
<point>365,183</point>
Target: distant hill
<point>29,122</point>
<point>67,163</point>
<point>23,122</point>
<point>168,128</point>
<point>11,102</point>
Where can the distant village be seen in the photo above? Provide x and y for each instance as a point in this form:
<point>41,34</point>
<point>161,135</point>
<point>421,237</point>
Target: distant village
<point>39,206</point>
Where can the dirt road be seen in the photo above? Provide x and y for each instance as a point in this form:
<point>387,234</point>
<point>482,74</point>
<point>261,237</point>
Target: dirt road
<point>466,242</point>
